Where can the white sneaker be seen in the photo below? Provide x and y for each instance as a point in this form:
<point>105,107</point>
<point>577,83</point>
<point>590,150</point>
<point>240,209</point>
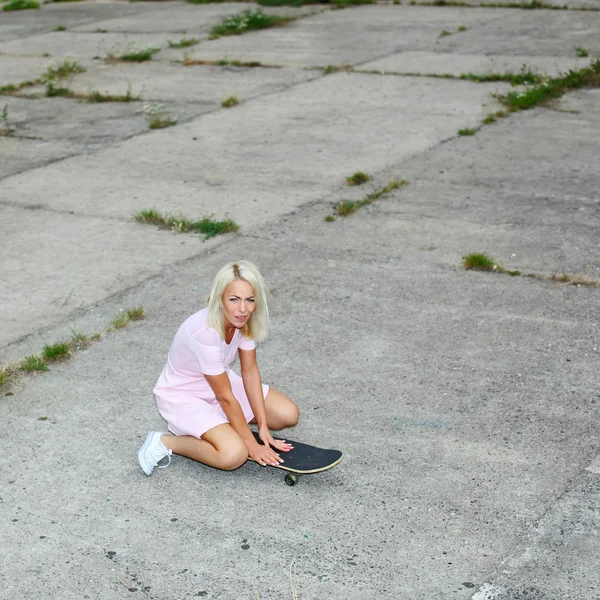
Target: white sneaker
<point>152,452</point>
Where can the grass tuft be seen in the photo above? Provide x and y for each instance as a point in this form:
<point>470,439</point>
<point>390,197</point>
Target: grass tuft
<point>247,21</point>
<point>33,363</point>
<point>581,52</point>
<point>552,88</point>
<point>445,33</point>
<point>207,226</point>
<point>61,70</point>
<point>524,77</point>
<point>4,376</point>
<point>343,208</point>
<point>136,313</point>
<point>61,28</point>
<point>489,119</point>
<point>55,351</point>
<point>466,131</point>
<point>132,53</point>
<point>184,43</point>
<point>478,261</point>
<point>357,178</point>
<point>230,101</point>
<point>120,320</point>
<point>20,5</point>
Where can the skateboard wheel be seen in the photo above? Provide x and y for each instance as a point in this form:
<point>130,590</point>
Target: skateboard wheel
<point>291,478</point>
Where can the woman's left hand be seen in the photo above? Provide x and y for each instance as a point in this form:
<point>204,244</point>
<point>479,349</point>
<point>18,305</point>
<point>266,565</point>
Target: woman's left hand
<point>269,440</point>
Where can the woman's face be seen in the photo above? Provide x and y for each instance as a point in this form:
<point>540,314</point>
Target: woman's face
<point>238,303</point>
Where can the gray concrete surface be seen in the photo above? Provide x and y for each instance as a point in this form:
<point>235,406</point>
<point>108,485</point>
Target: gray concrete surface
<point>466,403</point>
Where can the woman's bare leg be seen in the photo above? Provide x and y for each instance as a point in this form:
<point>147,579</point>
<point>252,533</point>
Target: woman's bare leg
<point>220,447</point>
<point>281,411</point>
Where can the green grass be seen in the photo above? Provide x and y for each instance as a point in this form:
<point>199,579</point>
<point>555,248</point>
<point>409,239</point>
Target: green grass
<point>52,91</point>
<point>55,351</point>
<point>466,131</point>
<point>581,52</point>
<point>247,21</point>
<point>78,338</point>
<point>343,208</point>
<point>462,28</point>
<point>61,28</point>
<point>184,43</point>
<point>20,5</point>
<point>206,226</point>
<point>329,69</point>
<point>120,320</point>
<point>136,313</point>
<point>230,101</point>
<point>62,70</point>
<point>489,119</point>
<point>524,77</point>
<point>132,53</point>
<point>33,363</point>
<point>552,88</point>
<point>4,376</point>
<point>357,178</point>
<point>445,32</point>
<point>12,88</point>
<point>96,96</point>
<point>478,261</point>
<point>158,123</point>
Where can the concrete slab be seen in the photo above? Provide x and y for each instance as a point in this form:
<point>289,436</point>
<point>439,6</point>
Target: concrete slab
<point>25,23</point>
<point>81,46</point>
<point>17,70</point>
<point>456,64</point>
<point>471,459</point>
<point>169,82</point>
<point>527,32</point>
<point>48,129</point>
<point>180,17</point>
<point>68,282</point>
<point>294,141</point>
<point>348,36</point>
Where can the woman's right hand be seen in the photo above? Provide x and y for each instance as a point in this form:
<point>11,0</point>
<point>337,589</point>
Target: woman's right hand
<point>264,455</point>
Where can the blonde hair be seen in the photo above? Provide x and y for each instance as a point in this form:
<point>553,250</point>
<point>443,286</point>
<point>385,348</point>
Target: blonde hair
<point>257,326</point>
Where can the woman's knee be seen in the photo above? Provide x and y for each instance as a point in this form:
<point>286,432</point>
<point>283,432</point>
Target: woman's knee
<point>233,457</point>
<point>292,416</point>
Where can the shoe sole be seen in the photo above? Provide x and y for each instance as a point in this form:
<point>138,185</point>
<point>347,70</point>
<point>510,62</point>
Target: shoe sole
<point>141,451</point>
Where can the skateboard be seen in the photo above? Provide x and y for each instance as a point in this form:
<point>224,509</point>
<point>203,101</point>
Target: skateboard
<point>304,459</point>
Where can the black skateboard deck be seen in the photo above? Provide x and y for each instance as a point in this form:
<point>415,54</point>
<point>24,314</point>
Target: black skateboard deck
<point>304,459</point>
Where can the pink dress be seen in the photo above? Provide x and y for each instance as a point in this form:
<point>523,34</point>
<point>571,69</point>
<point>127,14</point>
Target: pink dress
<point>183,396</point>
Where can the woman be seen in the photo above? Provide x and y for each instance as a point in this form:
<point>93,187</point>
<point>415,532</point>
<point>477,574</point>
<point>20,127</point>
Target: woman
<point>207,406</point>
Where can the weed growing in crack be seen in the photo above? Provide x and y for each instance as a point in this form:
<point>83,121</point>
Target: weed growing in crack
<point>158,116</point>
<point>230,101</point>
<point>61,28</point>
<point>343,208</point>
<point>61,70</point>
<point>207,226</point>
<point>184,43</point>
<point>466,131</point>
<point>581,52</point>
<point>132,53</point>
<point>357,178</point>
<point>56,351</point>
<point>247,21</point>
<point>20,5</point>
<point>524,77</point>
<point>478,261</point>
<point>552,88</point>
<point>32,364</point>
<point>445,33</point>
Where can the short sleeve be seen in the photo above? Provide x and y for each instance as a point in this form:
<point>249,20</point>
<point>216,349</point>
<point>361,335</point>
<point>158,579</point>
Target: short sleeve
<point>246,343</point>
<point>206,346</point>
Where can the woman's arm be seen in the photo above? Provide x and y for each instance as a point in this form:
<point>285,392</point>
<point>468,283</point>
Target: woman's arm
<point>254,391</point>
<point>253,385</point>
